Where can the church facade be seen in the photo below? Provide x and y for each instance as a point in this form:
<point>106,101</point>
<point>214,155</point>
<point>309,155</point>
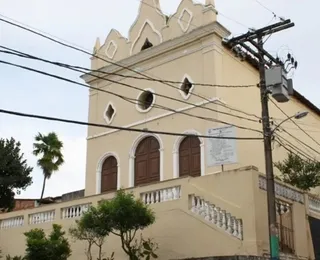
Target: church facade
<point>174,80</point>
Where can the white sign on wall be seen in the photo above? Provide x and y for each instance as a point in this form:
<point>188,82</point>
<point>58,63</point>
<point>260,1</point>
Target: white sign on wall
<point>221,151</point>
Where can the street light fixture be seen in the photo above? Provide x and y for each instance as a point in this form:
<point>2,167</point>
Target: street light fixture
<point>298,115</point>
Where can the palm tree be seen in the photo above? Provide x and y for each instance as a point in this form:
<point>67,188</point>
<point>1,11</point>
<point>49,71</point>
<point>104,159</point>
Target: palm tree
<point>48,147</point>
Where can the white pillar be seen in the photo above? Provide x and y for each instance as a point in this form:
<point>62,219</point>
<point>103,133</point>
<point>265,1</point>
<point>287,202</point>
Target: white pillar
<point>118,177</point>
<point>131,170</point>
<point>161,150</point>
<point>202,159</point>
<point>175,164</point>
<point>98,181</point>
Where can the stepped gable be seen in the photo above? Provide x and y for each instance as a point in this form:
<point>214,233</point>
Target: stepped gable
<point>151,28</point>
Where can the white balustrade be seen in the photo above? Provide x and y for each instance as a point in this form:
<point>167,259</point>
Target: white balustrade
<point>282,207</point>
<point>12,222</point>
<point>42,217</point>
<point>314,204</point>
<point>74,211</point>
<point>217,216</point>
<point>163,195</point>
<point>282,190</point>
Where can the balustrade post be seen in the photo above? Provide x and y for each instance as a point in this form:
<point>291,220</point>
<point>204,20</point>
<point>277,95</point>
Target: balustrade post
<point>239,228</point>
<point>307,203</point>
<point>229,224</point>
<point>218,217</point>
<point>224,225</point>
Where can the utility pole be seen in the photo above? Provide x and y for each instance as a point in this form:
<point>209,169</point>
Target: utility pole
<point>242,46</point>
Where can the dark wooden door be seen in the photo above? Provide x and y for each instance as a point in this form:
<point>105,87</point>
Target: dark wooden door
<point>314,224</point>
<point>109,174</point>
<point>147,161</point>
<point>189,157</point>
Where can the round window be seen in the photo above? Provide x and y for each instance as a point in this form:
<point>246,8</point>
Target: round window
<point>146,100</point>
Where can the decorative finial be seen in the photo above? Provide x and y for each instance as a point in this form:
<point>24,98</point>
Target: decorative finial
<point>151,3</point>
<point>97,45</point>
<point>209,2</point>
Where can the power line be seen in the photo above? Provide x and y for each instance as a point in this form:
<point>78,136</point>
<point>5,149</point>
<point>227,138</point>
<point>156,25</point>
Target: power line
<point>295,122</point>
<point>80,69</point>
<point>299,141</point>
<point>290,151</point>
<point>42,34</point>
<point>124,84</point>
<point>267,8</point>
<point>126,98</point>
<point>268,37</point>
<point>197,2</point>
<point>312,125</point>
<point>129,76</point>
<point>294,147</point>
<point>247,27</point>
<point>297,129</point>
<point>121,128</point>
<point>93,55</point>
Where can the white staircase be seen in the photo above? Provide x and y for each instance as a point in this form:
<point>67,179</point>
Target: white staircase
<point>217,216</point>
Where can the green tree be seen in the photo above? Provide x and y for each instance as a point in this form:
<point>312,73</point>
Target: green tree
<point>14,172</point>
<point>53,247</point>
<point>48,147</point>
<point>127,215</point>
<point>92,228</point>
<point>303,174</point>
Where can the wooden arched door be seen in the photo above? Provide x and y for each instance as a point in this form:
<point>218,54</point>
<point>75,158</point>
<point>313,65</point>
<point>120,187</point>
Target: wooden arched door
<point>109,174</point>
<point>147,161</point>
<point>190,157</point>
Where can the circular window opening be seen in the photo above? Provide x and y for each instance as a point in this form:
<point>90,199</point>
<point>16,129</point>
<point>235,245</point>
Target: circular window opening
<point>146,100</point>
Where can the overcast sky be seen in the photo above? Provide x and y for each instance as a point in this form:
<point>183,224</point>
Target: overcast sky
<point>80,22</point>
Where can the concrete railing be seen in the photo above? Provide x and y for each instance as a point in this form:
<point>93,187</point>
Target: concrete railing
<point>314,204</point>
<point>217,216</point>
<point>151,194</point>
<point>42,217</point>
<point>74,211</point>
<point>12,222</point>
<point>158,196</point>
<point>283,190</point>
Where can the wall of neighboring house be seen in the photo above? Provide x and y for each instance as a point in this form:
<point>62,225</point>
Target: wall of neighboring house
<point>21,204</point>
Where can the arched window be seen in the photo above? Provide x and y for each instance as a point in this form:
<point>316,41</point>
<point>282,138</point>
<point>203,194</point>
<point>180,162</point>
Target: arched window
<point>147,161</point>
<point>109,174</point>
<point>190,157</point>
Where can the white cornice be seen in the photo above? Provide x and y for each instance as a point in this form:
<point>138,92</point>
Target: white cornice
<point>204,102</point>
<point>196,34</point>
<point>153,65</point>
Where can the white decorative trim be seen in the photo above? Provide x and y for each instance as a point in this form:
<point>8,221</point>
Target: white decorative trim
<point>99,169</point>
<point>183,28</point>
<point>151,106</point>
<point>110,56</point>
<point>184,96</point>
<point>133,152</point>
<point>141,30</point>
<point>108,121</point>
<point>142,4</point>
<point>172,58</point>
<point>175,152</point>
<point>147,120</point>
<point>165,47</point>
